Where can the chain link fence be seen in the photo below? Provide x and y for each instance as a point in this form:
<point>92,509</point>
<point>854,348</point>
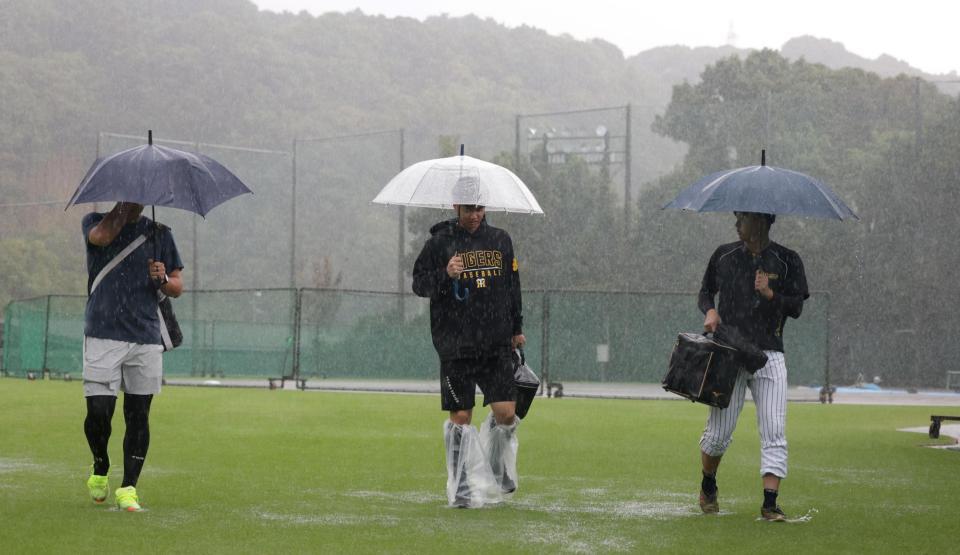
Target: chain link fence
<point>577,336</point>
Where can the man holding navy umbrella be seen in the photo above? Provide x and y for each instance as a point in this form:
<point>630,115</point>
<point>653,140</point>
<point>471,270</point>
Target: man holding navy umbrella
<point>123,344</point>
<point>133,265</point>
<point>760,283</point>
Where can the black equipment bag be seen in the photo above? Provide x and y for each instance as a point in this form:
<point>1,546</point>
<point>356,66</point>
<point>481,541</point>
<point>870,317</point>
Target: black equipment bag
<point>704,370</point>
<point>526,381</point>
<point>749,354</point>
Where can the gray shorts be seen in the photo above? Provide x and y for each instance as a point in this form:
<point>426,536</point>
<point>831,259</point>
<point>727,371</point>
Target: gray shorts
<point>109,366</point>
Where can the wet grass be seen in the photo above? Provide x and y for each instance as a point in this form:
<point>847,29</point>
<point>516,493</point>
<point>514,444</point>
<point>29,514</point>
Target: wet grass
<point>258,471</point>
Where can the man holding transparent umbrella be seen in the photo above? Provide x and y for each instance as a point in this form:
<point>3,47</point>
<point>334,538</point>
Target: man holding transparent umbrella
<point>470,273</point>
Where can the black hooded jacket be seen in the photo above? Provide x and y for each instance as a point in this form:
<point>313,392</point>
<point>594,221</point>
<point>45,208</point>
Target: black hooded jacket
<point>490,314</point>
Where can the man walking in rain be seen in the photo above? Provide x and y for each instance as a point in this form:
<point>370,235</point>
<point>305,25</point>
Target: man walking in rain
<point>123,346</point>
<point>760,284</point>
<point>468,270</point>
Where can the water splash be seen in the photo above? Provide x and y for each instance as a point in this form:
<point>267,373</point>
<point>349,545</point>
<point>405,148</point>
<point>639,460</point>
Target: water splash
<point>807,517</point>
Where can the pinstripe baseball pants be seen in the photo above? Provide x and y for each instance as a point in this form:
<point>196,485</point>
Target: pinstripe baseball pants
<point>768,386</point>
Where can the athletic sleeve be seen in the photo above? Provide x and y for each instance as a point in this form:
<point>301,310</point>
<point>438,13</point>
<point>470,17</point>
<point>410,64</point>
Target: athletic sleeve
<point>516,298</point>
<point>430,277</point>
<point>795,289</point>
<point>89,222</point>
<point>168,251</point>
<point>708,286</point>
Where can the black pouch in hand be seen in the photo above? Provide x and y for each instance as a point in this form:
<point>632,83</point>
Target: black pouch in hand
<point>749,354</point>
<point>526,382</point>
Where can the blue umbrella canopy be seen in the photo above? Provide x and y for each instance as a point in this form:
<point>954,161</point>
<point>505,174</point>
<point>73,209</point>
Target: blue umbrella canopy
<point>765,189</point>
<point>160,176</point>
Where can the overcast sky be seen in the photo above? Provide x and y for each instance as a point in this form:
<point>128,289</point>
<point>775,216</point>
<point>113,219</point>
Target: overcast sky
<point>924,33</point>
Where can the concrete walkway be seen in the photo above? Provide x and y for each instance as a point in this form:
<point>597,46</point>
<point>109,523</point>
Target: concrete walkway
<point>843,395</point>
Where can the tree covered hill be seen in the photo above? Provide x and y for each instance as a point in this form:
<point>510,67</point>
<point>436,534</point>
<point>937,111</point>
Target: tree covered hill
<point>222,71</point>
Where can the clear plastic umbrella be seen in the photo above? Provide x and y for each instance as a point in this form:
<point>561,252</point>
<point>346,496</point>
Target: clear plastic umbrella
<point>443,182</point>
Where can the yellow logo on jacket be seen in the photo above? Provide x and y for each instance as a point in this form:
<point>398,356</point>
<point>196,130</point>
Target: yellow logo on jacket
<point>481,264</point>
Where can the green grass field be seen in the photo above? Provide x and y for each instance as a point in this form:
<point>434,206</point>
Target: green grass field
<point>259,471</point>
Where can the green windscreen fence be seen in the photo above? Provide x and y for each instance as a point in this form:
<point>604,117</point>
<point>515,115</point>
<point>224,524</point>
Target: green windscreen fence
<point>331,333</point>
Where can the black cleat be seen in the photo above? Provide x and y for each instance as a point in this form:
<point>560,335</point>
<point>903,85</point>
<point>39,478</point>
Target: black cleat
<point>773,514</point>
<point>709,504</point>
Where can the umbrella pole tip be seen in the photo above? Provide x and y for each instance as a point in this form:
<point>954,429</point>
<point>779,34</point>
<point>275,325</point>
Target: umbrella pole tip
<point>149,136</point>
<point>461,149</point>
<point>763,157</point>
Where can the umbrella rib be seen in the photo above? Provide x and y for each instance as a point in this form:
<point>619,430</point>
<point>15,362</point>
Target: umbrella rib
<point>717,181</point>
<point>837,207</point>
<point>417,188</point>
<point>834,204</point>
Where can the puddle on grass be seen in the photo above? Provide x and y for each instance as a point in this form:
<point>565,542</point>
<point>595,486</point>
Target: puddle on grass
<point>402,496</point>
<point>18,465</point>
<point>330,519</point>
<point>572,538</point>
<point>617,509</point>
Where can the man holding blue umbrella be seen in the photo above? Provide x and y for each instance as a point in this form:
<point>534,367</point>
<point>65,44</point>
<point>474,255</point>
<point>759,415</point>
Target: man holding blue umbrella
<point>760,283</point>
<point>123,344</point>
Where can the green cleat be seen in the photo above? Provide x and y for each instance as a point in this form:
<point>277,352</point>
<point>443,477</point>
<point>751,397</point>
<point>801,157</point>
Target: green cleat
<point>127,499</point>
<point>98,487</point>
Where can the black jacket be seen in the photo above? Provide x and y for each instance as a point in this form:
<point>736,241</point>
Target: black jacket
<point>483,323</point>
<point>731,273</point>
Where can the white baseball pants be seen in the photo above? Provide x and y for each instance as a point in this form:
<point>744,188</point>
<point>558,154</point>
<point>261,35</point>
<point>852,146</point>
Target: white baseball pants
<point>768,386</point>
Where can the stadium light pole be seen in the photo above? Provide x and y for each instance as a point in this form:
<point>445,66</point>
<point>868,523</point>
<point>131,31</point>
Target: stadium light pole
<point>401,240</point>
<point>627,173</point>
<point>293,216</point>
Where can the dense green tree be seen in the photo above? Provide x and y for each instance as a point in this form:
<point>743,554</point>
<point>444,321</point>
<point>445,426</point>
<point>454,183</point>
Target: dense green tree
<point>865,137</point>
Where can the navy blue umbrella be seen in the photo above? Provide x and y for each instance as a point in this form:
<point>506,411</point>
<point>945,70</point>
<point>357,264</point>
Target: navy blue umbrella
<point>159,176</point>
<point>763,189</point>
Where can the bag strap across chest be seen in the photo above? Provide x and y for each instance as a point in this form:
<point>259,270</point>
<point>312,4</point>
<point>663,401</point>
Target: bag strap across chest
<point>116,261</point>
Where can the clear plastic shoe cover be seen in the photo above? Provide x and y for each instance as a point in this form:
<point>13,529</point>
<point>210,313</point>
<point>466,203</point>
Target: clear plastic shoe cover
<point>500,443</point>
<point>470,482</point>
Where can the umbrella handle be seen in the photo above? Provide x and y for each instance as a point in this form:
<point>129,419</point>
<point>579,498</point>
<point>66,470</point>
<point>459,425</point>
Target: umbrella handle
<point>456,291</point>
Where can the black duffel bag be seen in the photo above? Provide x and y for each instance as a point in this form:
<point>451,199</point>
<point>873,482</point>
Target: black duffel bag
<point>704,369</point>
<point>526,381</point>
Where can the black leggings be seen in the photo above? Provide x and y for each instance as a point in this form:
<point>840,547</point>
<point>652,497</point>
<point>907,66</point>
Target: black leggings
<point>136,440</point>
